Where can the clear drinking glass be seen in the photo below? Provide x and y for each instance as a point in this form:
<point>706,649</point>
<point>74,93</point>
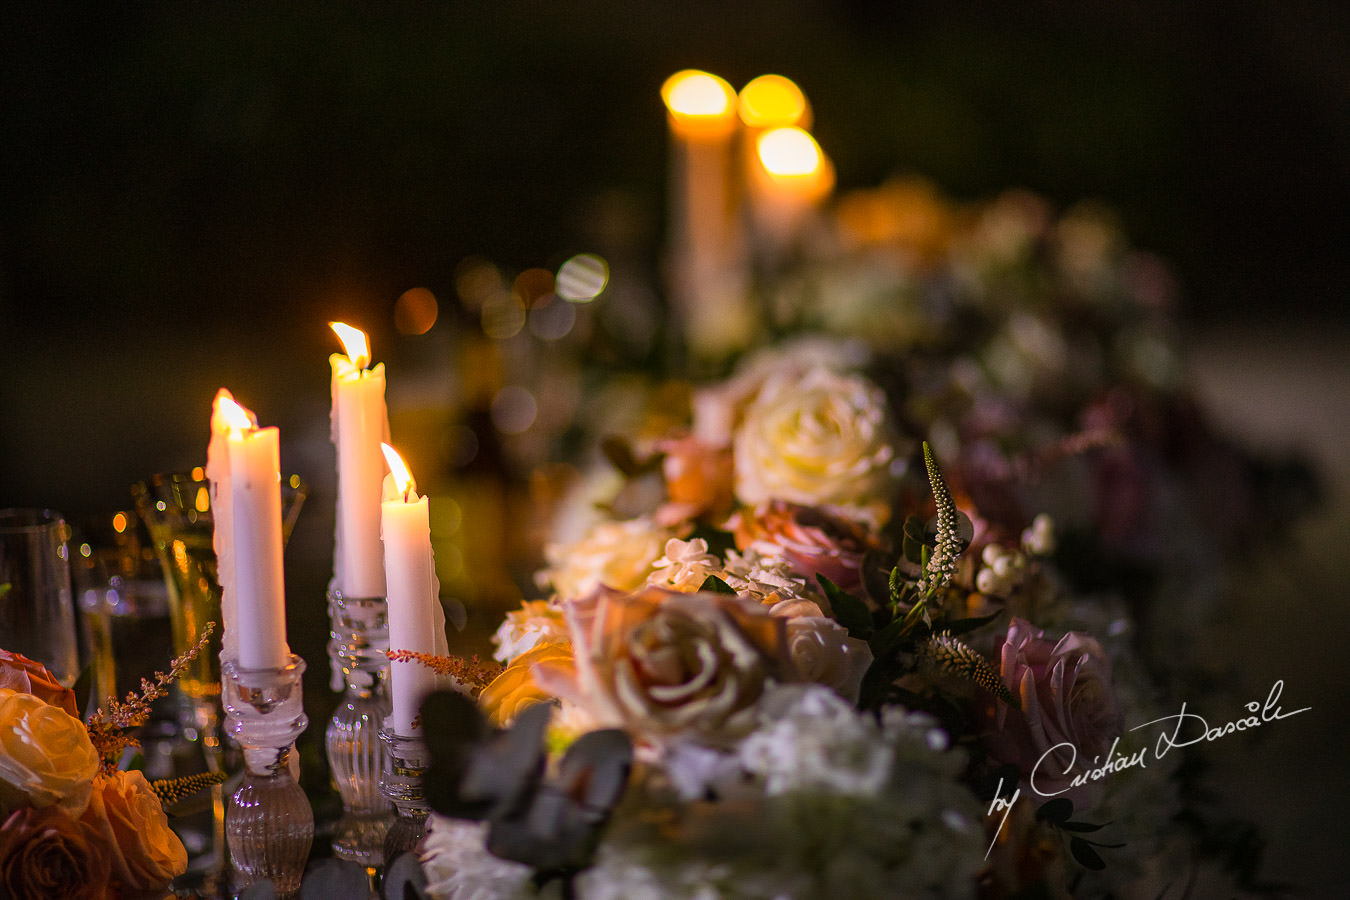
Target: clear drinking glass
<point>37,611</point>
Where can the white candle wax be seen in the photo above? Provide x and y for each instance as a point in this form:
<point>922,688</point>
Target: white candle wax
<point>244,469</point>
<point>359,424</point>
<point>413,601</point>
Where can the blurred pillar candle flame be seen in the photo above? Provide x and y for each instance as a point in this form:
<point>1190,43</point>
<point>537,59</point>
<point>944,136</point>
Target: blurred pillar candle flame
<point>359,422</point>
<point>792,177</point>
<point>414,603</point>
<point>244,469</point>
<point>707,270</point>
<point>773,101</point>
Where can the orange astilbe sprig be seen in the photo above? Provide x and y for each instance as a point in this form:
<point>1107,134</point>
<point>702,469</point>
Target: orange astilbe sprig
<point>110,730</point>
<point>472,673</point>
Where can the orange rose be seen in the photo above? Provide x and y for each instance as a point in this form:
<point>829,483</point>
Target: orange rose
<point>127,813</point>
<point>46,758</point>
<point>515,689</point>
<point>19,673</point>
<point>45,853</point>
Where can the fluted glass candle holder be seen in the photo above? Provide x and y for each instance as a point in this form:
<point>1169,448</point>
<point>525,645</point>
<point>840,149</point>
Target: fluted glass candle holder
<point>269,824</point>
<point>356,756</point>
<point>407,762</point>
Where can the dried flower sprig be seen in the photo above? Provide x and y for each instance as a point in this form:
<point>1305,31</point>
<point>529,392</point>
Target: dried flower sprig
<point>953,657</point>
<point>171,790</point>
<point>472,673</point>
<point>110,730</point>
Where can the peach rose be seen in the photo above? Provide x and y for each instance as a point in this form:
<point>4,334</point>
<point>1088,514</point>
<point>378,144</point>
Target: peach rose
<point>698,478</point>
<point>617,555</point>
<point>127,813</point>
<point>19,673</point>
<point>513,690</point>
<point>659,663</point>
<point>45,755</point>
<point>45,853</point>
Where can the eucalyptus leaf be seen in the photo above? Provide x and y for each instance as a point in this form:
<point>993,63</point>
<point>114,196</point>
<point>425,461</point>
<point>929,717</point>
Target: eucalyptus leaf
<point>404,879</point>
<point>962,626</point>
<point>1081,827</point>
<point>336,879</point>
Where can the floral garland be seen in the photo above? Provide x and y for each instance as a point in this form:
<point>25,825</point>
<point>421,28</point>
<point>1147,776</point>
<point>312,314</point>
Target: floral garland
<point>73,824</point>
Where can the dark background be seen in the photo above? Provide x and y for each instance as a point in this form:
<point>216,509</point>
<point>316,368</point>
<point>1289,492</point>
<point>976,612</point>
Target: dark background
<point>190,192</point>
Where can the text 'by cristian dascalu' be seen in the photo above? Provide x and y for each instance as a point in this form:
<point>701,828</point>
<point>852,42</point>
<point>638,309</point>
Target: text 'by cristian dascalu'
<point>1183,729</point>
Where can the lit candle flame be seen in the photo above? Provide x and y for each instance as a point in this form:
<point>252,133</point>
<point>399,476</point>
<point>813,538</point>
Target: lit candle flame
<point>788,152</point>
<point>236,417</point>
<point>353,342</point>
<point>403,479</point>
<point>699,102</point>
<point>773,101</point>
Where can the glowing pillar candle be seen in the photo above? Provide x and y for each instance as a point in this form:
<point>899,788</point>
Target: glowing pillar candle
<point>793,177</point>
<point>360,423</point>
<point>412,591</point>
<point>708,273</point>
<point>244,469</point>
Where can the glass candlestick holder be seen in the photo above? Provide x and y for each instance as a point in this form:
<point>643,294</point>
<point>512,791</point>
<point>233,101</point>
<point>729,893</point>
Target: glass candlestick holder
<point>356,755</point>
<point>407,762</point>
<point>269,824</point>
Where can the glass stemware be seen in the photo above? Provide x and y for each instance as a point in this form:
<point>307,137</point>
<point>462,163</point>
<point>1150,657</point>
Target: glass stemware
<point>37,611</point>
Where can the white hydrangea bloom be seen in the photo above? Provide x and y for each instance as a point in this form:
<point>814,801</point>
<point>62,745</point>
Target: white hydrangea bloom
<point>535,623</point>
<point>459,867</point>
<point>685,566</point>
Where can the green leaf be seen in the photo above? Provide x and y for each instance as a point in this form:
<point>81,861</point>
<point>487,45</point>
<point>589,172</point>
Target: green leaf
<point>1081,827</point>
<point>84,693</point>
<point>719,541</point>
<point>1086,856</point>
<point>849,611</point>
<point>887,639</point>
<point>963,626</point>
<point>714,585</point>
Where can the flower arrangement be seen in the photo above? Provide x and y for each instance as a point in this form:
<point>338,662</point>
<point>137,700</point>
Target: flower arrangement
<point>73,824</point>
<point>828,668</point>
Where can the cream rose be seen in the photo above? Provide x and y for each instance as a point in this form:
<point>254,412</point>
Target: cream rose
<point>660,663</point>
<point>46,758</point>
<point>823,653</point>
<point>618,555</point>
<point>822,439</point>
<point>535,624</point>
<point>128,815</point>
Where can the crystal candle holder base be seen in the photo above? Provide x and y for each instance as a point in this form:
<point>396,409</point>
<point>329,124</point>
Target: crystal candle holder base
<point>269,824</point>
<point>356,757</point>
<point>407,762</point>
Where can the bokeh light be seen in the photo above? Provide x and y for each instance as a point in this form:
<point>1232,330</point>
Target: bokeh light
<point>415,311</point>
<point>514,409</point>
<point>476,281</point>
<point>503,316</point>
<point>773,101</point>
<point>532,284</point>
<point>551,319</point>
<point>582,278</point>
<point>696,93</point>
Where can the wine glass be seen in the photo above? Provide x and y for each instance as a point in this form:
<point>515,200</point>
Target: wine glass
<point>37,612</point>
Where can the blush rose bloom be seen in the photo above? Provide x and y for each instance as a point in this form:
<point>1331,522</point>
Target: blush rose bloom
<point>1067,698</point>
<point>698,478</point>
<point>821,439</point>
<point>823,653</point>
<point>812,541</point>
<point>46,757</point>
<point>19,673</point>
<point>515,688</point>
<point>45,853</point>
<point>661,663</point>
<point>127,813</point>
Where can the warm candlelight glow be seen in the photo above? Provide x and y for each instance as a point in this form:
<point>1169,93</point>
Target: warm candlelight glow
<point>773,101</point>
<point>403,479</point>
<point>788,152</point>
<point>354,343</point>
<point>235,417</point>
<point>700,104</point>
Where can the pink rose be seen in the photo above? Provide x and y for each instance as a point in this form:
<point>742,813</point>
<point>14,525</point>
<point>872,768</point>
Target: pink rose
<point>812,541</point>
<point>1069,714</point>
<point>19,673</point>
<point>127,813</point>
<point>44,853</point>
